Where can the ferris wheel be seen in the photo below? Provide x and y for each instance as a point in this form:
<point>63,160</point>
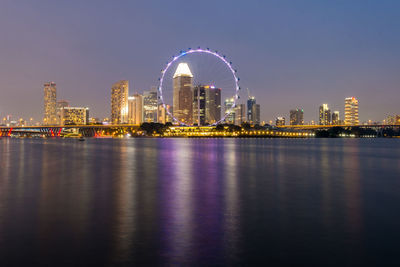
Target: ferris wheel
<point>211,70</point>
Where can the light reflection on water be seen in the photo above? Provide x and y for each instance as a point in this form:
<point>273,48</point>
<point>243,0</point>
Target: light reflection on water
<point>199,201</point>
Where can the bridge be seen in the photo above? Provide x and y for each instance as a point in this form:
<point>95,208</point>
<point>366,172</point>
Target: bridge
<point>57,130</point>
<point>195,131</point>
<point>324,127</point>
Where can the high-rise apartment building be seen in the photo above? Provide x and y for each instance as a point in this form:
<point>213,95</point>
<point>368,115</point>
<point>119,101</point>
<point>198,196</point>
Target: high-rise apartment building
<point>335,118</point>
<point>351,111</point>
<point>74,116</point>
<point>240,114</point>
<point>206,104</point>
<point>50,104</point>
<point>324,115</point>
<point>150,106</point>
<point>119,102</point>
<point>135,109</point>
<point>230,118</point>
<point>183,94</point>
<point>296,117</point>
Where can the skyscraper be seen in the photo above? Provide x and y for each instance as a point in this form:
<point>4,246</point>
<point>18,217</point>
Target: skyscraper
<point>213,104</point>
<point>351,111</point>
<point>335,118</point>
<point>119,102</point>
<point>135,109</point>
<point>206,104</point>
<point>296,117</point>
<point>199,105</point>
<point>250,102</point>
<point>183,94</point>
<point>150,106</point>
<point>240,114</point>
<point>50,104</point>
<point>230,118</point>
<point>324,115</point>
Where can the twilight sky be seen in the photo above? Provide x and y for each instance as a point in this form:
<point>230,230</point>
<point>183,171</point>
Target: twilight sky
<point>288,53</point>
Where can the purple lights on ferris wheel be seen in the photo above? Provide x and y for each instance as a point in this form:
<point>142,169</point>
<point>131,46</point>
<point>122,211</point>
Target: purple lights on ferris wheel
<point>201,51</point>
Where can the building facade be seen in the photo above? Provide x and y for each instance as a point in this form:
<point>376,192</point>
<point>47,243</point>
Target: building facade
<point>324,115</point>
<point>351,111</point>
<point>74,116</point>
<point>297,117</point>
<point>119,102</point>
<point>50,104</point>
<point>135,109</point>
<point>183,94</point>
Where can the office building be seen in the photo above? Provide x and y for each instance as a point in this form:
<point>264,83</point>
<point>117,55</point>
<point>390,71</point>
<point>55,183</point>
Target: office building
<point>324,115</point>
<point>135,109</point>
<point>199,105</point>
<point>280,121</point>
<point>297,117</point>
<point>183,94</point>
<point>150,106</point>
<point>229,118</point>
<point>206,104</point>
<point>119,102</point>
<point>74,116</point>
<point>240,114</point>
<point>250,102</point>
<point>351,111</point>
<point>50,104</point>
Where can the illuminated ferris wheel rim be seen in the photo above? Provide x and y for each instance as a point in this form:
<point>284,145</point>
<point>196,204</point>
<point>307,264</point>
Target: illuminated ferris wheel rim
<point>205,51</point>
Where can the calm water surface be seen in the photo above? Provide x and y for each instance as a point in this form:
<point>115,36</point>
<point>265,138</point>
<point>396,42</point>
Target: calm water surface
<point>199,202</point>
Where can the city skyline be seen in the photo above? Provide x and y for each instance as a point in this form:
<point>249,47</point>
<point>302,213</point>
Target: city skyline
<point>355,56</point>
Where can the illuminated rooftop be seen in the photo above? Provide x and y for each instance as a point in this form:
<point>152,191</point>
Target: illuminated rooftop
<point>183,70</point>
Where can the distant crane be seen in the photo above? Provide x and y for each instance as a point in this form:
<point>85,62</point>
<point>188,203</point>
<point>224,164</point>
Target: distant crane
<point>248,93</point>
